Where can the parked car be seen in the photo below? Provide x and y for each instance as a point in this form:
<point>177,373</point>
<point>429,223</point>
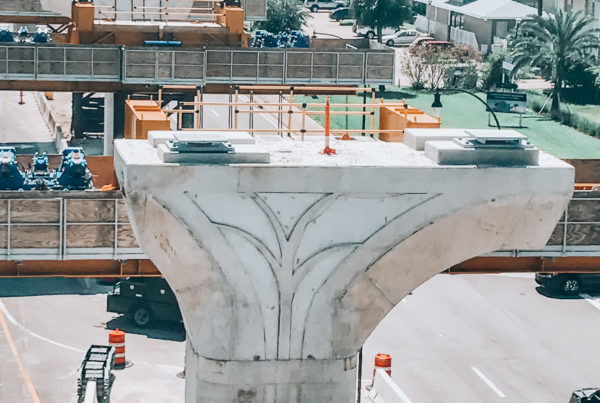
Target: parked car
<point>586,395</point>
<point>342,13</point>
<point>316,5</point>
<point>145,299</point>
<point>428,42</point>
<point>420,41</point>
<point>370,32</point>
<point>401,37</point>
<point>568,283</point>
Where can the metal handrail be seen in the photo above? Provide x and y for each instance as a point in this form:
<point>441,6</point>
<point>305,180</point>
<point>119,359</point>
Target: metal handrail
<point>56,62</point>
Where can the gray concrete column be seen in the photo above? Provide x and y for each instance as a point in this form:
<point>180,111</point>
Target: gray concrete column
<point>109,122</point>
<point>272,381</point>
<point>282,270</point>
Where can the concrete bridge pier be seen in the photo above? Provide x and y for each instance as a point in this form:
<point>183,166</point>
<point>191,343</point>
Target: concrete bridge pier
<point>283,269</point>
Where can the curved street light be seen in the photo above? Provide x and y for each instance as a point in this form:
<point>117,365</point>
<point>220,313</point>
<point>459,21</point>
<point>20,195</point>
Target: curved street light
<point>437,102</point>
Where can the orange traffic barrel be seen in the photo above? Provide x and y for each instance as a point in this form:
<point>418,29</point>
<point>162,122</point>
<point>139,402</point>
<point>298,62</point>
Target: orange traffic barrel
<point>383,361</point>
<point>116,338</point>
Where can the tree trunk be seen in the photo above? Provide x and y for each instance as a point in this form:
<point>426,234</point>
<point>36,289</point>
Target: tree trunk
<point>379,33</point>
<point>555,108</point>
<point>540,7</point>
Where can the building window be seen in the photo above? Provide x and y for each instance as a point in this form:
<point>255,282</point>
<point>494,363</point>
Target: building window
<point>457,20</point>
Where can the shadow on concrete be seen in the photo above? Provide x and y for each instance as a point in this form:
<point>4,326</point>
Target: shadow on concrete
<point>394,94</point>
<point>91,145</point>
<point>31,148</point>
<point>163,330</point>
<point>28,287</point>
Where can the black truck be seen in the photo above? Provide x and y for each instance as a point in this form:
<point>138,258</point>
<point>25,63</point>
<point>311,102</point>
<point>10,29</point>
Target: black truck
<point>145,299</point>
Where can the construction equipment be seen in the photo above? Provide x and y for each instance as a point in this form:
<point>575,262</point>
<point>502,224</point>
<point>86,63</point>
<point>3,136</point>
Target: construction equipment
<point>73,172</point>
<point>10,176</point>
<point>95,375</point>
<point>40,177</point>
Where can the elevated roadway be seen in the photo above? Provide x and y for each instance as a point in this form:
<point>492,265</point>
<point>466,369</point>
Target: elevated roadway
<point>109,68</point>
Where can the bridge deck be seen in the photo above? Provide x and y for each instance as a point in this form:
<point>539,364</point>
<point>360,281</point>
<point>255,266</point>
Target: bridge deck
<point>130,66</point>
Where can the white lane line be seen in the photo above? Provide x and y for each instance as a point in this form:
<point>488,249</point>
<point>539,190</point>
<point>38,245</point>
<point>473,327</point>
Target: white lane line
<point>400,393</point>
<point>516,275</point>
<point>266,115</point>
<point>12,320</point>
<point>593,301</point>
<point>488,382</point>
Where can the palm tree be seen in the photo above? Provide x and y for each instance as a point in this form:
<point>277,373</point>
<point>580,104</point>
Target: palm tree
<point>554,43</point>
<point>283,16</point>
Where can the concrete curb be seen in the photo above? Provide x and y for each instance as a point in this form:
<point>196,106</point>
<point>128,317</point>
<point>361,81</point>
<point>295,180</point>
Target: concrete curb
<point>60,140</point>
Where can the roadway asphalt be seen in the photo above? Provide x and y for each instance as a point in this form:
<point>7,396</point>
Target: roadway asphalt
<point>22,126</point>
<point>217,116</point>
<point>50,334</point>
<point>484,338</point>
<point>470,338</point>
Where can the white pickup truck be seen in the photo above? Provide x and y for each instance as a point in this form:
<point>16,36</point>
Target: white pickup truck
<point>371,32</point>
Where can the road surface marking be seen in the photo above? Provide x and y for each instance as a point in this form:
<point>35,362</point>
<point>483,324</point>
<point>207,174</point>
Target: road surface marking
<point>400,393</point>
<point>593,301</point>
<point>266,116</point>
<point>515,275</point>
<point>11,319</point>
<point>13,348</point>
<point>488,382</point>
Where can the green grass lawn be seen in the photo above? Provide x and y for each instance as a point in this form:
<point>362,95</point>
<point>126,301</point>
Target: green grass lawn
<point>464,111</point>
<point>591,112</point>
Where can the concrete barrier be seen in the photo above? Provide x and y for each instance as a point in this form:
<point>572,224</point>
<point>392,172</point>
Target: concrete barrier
<point>60,140</point>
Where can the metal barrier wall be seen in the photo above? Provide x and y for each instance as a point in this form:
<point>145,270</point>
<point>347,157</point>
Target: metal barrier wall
<point>46,225</point>
<point>577,232</point>
<point>42,225</point>
<point>111,63</point>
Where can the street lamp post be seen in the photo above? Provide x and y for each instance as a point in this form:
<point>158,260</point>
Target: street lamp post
<point>437,102</point>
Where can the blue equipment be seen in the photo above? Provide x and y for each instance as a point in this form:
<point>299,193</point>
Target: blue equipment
<point>163,43</point>
<point>23,34</point>
<point>41,35</point>
<point>297,39</point>
<point>282,40</point>
<point>293,39</point>
<point>10,176</point>
<point>6,35</point>
<point>40,177</point>
<point>73,172</point>
<point>264,39</point>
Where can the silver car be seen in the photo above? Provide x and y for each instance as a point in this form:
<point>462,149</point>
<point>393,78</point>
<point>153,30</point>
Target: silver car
<point>401,37</point>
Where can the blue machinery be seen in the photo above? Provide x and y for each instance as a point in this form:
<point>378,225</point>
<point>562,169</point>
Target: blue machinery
<point>72,174</point>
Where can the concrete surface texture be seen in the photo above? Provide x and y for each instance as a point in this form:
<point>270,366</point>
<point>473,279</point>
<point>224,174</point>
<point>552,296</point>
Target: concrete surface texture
<point>282,270</point>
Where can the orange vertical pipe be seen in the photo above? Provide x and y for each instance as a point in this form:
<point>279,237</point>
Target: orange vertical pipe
<point>327,150</point>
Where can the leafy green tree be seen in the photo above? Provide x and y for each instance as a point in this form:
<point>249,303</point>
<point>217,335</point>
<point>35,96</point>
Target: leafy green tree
<point>283,15</point>
<point>554,44</point>
<point>380,14</point>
